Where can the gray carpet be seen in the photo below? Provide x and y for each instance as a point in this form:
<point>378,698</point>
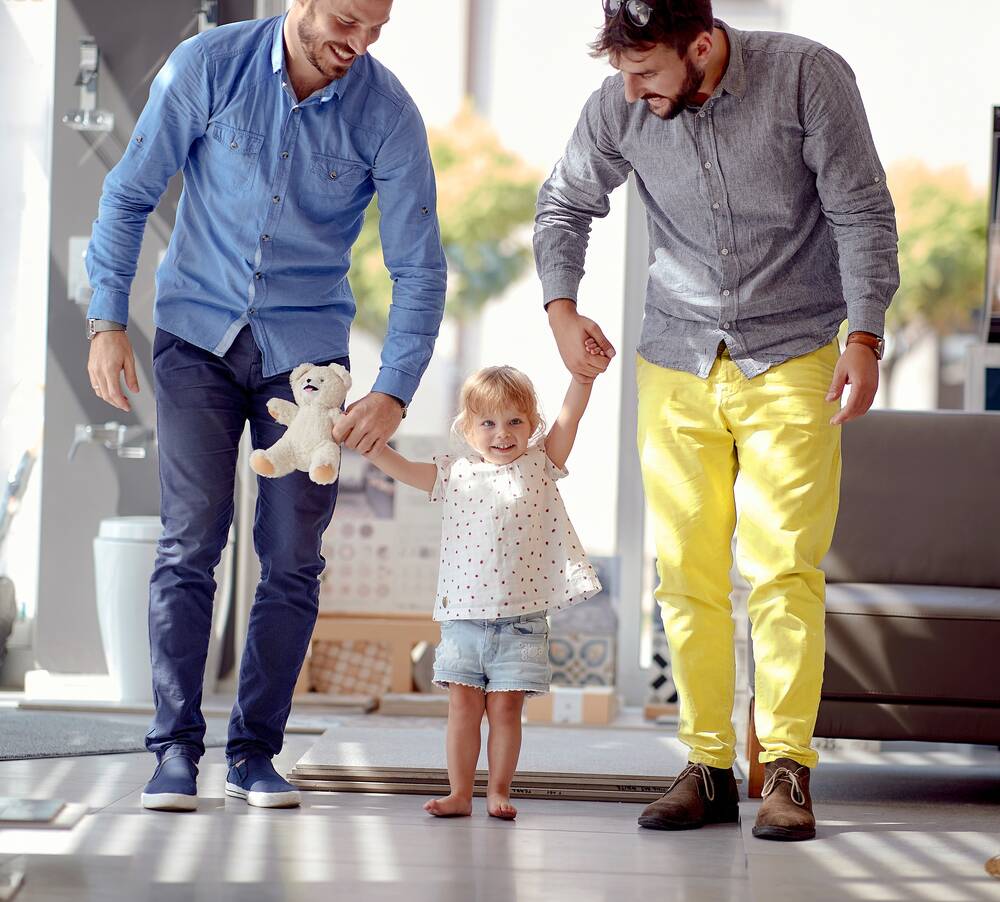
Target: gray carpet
<point>45,734</point>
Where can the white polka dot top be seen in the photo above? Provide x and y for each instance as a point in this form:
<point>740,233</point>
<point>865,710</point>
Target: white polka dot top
<point>507,545</point>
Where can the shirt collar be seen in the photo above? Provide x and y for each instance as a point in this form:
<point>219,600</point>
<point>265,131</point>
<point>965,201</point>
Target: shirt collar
<point>735,79</point>
<point>334,89</point>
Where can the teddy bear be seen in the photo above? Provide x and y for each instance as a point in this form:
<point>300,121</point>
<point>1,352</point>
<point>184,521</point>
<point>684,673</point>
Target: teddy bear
<point>307,445</point>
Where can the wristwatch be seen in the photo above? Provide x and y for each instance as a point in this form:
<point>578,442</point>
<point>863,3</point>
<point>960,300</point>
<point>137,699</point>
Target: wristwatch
<point>869,341</point>
<point>103,325</point>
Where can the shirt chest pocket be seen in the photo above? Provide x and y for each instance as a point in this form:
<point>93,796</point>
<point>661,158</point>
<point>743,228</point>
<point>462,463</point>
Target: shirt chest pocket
<point>334,175</point>
<point>235,152</point>
<point>330,185</point>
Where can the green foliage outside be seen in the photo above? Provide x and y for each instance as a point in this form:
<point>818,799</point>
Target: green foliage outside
<point>486,198</point>
<point>942,222</point>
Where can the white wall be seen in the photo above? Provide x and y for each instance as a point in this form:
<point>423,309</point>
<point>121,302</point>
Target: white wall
<point>27,36</point>
<point>929,72</point>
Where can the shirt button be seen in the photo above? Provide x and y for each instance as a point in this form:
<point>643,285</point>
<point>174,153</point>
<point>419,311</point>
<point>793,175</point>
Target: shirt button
<point>295,109</point>
<point>234,145</point>
<point>333,173</point>
<point>258,275</point>
<point>265,237</point>
<point>276,199</point>
<point>252,310</point>
<point>725,325</point>
<point>726,293</point>
<point>701,115</point>
<point>708,165</point>
<point>725,252</point>
<point>284,155</point>
<point>715,206</point>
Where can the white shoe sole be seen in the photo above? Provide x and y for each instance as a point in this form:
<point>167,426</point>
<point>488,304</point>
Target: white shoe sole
<point>289,799</point>
<point>169,801</point>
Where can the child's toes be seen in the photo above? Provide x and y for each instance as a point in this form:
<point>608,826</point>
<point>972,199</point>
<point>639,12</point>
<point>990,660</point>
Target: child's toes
<point>501,808</point>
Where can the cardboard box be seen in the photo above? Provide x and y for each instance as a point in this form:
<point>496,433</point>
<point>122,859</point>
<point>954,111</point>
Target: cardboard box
<point>572,704</point>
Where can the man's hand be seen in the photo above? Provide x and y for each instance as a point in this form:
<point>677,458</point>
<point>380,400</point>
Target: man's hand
<point>857,367</point>
<point>571,331</point>
<point>368,423</point>
<point>110,355</point>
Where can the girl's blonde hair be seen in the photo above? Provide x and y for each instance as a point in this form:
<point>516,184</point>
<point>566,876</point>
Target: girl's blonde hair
<point>492,389</point>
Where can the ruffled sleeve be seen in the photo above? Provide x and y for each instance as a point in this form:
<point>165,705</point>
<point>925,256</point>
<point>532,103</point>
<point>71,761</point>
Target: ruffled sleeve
<point>551,470</point>
<point>443,462</point>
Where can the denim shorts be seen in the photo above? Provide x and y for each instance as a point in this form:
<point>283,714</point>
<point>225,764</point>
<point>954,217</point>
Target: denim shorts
<point>506,655</point>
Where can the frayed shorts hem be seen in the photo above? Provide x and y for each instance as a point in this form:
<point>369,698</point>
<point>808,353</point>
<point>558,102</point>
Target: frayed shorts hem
<point>444,678</point>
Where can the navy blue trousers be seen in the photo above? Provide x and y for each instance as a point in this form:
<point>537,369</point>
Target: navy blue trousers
<point>203,402</point>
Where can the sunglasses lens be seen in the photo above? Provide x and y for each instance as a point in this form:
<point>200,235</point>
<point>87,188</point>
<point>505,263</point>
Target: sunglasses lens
<point>611,7</point>
<point>640,12</point>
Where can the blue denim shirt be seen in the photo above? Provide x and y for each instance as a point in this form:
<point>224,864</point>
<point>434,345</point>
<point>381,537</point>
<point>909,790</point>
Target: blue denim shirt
<point>274,198</point>
<point>768,214</point>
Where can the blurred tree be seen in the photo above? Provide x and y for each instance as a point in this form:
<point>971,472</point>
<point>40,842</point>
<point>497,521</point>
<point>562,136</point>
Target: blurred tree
<point>486,198</point>
<point>942,222</point>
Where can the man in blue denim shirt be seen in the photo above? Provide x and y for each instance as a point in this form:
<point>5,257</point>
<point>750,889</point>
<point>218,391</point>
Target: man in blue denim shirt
<point>284,129</point>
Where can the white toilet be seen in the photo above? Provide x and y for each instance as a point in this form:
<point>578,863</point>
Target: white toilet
<point>124,555</point>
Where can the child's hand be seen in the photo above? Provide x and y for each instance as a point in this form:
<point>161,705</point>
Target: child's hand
<point>594,348</point>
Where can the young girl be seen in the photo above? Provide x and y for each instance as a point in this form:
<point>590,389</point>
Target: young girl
<point>509,556</point>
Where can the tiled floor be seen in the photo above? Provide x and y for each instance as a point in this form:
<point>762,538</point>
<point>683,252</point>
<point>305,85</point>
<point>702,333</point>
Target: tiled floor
<point>905,826</point>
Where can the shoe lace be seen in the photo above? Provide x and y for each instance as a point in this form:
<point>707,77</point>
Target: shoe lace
<point>700,771</point>
<point>784,775</point>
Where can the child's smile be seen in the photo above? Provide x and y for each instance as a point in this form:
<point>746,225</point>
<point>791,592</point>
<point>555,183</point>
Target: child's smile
<point>501,436</point>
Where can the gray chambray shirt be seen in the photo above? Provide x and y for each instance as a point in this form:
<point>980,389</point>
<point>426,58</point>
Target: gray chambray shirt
<point>769,217</point>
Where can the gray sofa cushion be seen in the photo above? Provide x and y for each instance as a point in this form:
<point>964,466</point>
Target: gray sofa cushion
<point>923,644</point>
<point>920,500</point>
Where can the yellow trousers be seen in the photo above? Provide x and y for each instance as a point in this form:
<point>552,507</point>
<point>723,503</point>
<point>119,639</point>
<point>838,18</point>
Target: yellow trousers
<point>760,457</point>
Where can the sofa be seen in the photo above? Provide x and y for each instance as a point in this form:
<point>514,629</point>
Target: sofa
<point>913,584</point>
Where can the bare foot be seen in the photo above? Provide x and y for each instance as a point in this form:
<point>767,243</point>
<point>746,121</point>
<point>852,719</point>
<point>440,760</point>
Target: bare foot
<point>449,806</point>
<point>500,806</point>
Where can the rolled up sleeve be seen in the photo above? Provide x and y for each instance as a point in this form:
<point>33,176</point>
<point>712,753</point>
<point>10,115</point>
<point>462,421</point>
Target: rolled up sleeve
<point>572,197</point>
<point>176,115</point>
<point>411,247</point>
<point>850,180</point>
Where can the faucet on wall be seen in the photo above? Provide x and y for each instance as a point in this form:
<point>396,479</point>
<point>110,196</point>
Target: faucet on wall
<point>208,15</point>
<point>87,117</point>
<point>130,442</point>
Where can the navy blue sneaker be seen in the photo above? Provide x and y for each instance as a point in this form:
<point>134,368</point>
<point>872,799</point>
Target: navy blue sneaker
<point>255,779</point>
<point>173,786</point>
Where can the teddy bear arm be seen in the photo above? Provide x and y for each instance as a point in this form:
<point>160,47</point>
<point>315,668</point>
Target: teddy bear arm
<point>283,411</point>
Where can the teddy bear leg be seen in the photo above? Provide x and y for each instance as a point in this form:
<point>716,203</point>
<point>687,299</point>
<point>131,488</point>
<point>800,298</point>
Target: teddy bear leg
<point>274,462</point>
<point>324,464</point>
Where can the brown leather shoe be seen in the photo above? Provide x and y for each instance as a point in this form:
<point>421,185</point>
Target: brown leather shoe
<point>787,810</point>
<point>699,795</point>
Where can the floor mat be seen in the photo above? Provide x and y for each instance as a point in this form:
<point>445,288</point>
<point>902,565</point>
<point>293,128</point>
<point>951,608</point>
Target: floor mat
<point>49,734</point>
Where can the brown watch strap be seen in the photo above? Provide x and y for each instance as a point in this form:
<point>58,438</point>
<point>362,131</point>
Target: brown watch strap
<point>866,339</point>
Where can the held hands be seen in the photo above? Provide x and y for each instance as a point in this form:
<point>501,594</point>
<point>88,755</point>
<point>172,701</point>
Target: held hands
<point>110,356</point>
<point>857,367</point>
<point>368,423</point>
<point>582,345</point>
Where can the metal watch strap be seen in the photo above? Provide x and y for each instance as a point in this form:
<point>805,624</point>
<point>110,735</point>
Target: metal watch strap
<point>103,325</point>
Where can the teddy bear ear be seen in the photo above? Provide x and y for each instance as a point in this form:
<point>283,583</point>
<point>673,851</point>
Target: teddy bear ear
<point>342,374</point>
<point>299,372</point>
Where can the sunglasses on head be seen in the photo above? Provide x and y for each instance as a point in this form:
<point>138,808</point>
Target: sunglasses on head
<point>637,12</point>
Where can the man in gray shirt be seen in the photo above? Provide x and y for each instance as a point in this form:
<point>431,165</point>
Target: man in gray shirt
<point>769,223</point>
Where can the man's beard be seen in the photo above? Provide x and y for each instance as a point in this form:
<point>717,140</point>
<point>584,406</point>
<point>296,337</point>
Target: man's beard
<point>313,45</point>
<point>693,80</point>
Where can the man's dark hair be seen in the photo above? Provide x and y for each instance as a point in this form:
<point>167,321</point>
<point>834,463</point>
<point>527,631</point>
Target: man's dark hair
<point>675,23</point>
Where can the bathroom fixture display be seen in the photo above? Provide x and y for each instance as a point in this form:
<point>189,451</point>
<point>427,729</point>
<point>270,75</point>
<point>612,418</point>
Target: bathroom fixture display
<point>130,442</point>
<point>87,117</point>
<point>208,15</point>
